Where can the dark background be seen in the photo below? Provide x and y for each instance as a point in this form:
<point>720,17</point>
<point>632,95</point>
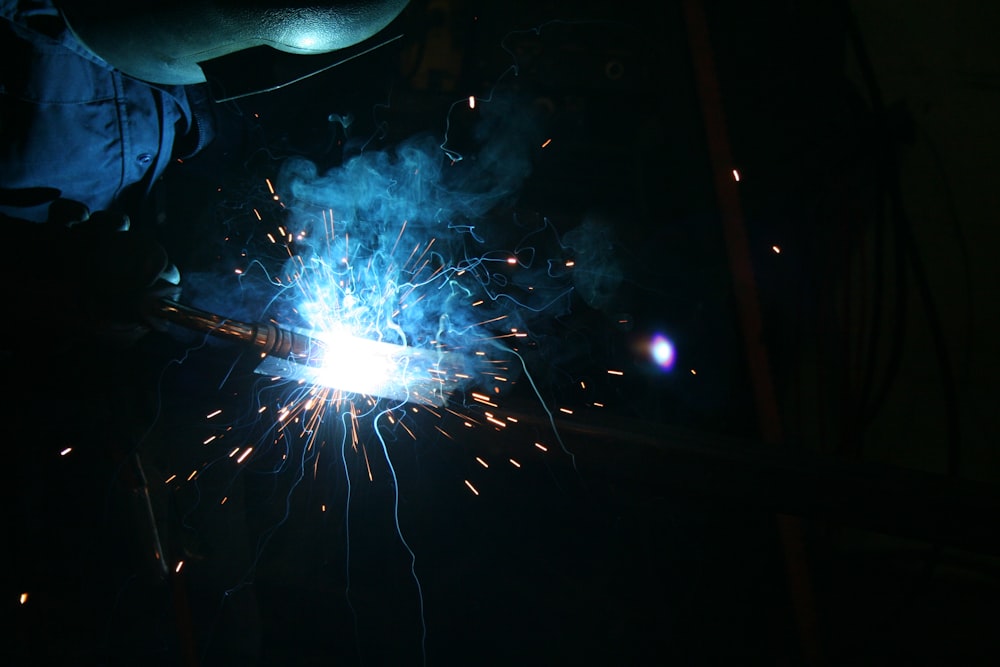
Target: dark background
<point>852,526</point>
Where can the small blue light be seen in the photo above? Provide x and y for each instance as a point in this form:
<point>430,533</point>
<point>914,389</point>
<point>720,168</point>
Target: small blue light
<point>662,351</point>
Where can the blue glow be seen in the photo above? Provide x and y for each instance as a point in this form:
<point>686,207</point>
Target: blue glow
<point>662,351</point>
<point>398,257</point>
<point>381,274</point>
<point>418,286</point>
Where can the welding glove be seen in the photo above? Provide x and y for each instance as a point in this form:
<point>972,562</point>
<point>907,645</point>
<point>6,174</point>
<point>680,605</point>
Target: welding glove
<point>91,275</point>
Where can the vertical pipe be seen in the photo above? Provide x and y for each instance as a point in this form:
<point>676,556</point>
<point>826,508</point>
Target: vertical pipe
<point>745,291</point>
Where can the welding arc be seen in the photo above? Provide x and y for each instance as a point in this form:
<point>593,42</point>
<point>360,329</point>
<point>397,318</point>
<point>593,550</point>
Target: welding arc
<point>272,339</point>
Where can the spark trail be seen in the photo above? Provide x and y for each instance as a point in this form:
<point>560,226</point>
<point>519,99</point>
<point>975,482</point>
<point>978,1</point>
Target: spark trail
<point>423,289</point>
<point>391,283</point>
<point>420,286</point>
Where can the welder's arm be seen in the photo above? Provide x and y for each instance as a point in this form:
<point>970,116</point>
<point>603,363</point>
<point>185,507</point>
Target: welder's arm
<point>83,276</point>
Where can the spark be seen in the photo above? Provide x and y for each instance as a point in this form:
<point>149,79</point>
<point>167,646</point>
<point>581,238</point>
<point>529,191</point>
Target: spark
<point>408,431</point>
<point>65,451</point>
<point>405,320</point>
<point>368,465</point>
<point>23,599</point>
<point>736,175</point>
<point>480,397</point>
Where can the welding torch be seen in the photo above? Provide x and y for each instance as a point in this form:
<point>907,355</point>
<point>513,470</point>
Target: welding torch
<point>270,338</point>
<point>354,364</point>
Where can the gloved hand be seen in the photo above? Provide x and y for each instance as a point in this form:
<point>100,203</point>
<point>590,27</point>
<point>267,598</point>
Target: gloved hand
<point>91,275</point>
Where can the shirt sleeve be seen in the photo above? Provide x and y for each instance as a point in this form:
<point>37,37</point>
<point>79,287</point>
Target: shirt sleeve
<point>70,124</point>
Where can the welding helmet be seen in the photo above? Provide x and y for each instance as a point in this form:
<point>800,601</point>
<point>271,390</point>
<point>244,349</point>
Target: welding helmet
<point>171,41</point>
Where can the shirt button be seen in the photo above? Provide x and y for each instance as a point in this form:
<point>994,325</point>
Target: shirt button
<point>143,159</point>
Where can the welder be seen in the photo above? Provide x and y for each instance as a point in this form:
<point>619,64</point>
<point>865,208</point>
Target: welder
<point>97,99</point>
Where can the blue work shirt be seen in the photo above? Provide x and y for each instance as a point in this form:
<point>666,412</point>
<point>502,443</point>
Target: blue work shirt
<point>73,127</point>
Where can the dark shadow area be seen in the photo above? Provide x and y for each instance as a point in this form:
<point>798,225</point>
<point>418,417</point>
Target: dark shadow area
<point>623,512</point>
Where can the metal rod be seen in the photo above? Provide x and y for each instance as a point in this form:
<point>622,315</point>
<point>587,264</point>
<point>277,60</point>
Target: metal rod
<point>272,339</point>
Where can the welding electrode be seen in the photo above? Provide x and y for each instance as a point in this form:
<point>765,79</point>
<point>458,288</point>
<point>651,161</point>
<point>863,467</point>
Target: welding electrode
<point>272,339</point>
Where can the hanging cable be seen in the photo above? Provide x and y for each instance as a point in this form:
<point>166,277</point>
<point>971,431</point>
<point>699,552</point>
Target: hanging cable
<point>901,226</point>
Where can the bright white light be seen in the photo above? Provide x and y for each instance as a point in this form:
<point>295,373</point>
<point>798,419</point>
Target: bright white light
<point>306,41</point>
<point>662,351</point>
<point>358,365</point>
